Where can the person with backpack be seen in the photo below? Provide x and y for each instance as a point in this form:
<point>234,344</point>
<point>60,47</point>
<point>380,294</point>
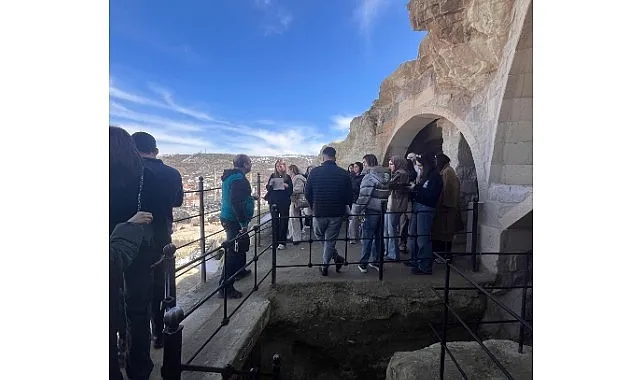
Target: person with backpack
<point>299,202</point>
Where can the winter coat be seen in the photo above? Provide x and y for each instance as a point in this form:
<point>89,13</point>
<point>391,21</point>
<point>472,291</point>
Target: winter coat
<point>298,192</point>
<point>279,196</point>
<point>373,191</point>
<point>428,189</point>
<point>356,186</point>
<point>237,203</point>
<point>447,220</point>
<point>328,190</point>
<point>399,191</point>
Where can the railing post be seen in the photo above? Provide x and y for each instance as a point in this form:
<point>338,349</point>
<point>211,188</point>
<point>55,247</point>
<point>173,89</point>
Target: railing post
<point>523,302</point>
<point>169,259</point>
<point>276,366</point>
<point>257,237</point>
<point>172,352</point>
<point>226,274</point>
<point>275,225</point>
<point>446,298</point>
<point>256,232</point>
<point>381,240</point>
<point>201,192</point>
<point>475,234</point>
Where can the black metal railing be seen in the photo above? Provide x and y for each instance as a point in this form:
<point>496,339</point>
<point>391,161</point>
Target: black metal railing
<point>205,254</point>
<point>172,360</point>
<point>173,366</point>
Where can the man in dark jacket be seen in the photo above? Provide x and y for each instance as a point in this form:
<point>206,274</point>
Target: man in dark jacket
<point>169,193</point>
<point>237,209</point>
<point>425,195</point>
<point>124,243</point>
<point>329,194</point>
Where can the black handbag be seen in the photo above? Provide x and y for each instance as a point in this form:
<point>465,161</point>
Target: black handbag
<point>241,244</point>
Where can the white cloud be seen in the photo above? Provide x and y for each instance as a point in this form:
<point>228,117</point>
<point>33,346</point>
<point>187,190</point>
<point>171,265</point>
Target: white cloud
<point>341,122</point>
<point>168,104</point>
<point>177,132</point>
<point>367,12</point>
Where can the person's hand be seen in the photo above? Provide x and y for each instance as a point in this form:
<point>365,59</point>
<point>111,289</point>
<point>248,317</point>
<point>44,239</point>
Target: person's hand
<point>255,197</point>
<point>412,185</point>
<point>141,217</point>
<point>243,230</point>
<point>286,186</point>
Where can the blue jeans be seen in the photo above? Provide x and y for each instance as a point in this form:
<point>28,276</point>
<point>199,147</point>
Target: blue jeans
<point>393,229</point>
<point>327,228</point>
<point>372,229</point>
<point>421,246</point>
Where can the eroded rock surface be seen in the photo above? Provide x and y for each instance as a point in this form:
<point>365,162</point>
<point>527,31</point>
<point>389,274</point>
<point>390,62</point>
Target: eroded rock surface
<point>425,363</point>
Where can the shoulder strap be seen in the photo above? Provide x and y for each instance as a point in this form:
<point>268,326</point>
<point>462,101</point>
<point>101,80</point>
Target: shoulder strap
<point>142,179</point>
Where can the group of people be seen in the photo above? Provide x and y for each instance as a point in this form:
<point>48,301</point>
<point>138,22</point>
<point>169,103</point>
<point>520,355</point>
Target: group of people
<point>414,200</point>
<point>142,193</point>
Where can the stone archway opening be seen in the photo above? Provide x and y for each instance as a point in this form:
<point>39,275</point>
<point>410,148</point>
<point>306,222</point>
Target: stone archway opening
<point>431,134</point>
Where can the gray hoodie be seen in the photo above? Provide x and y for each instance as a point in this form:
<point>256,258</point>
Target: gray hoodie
<point>374,190</point>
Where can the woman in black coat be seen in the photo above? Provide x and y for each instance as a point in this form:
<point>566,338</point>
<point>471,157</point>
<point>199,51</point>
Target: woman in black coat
<point>279,192</point>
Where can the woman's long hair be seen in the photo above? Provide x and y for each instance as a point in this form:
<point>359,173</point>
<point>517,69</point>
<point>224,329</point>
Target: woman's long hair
<point>278,161</point>
<point>294,169</point>
<point>125,164</point>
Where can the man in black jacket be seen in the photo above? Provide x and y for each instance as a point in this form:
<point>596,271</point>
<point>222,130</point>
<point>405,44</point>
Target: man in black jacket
<point>169,190</point>
<point>329,193</point>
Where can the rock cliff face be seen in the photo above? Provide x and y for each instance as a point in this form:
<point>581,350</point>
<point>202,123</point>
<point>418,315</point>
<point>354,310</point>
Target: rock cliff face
<point>455,62</point>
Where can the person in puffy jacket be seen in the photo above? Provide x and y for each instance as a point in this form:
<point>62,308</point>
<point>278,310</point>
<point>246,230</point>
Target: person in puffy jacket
<point>373,194</point>
<point>396,205</point>
<point>425,196</point>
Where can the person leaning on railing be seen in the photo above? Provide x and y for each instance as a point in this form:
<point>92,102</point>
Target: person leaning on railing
<point>237,209</point>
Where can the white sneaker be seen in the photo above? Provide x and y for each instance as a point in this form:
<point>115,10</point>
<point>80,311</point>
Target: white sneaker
<point>281,247</point>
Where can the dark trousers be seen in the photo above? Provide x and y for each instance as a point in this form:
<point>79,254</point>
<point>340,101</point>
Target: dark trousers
<point>138,295</point>
<point>283,221</point>
<point>404,230</point>
<point>234,260</point>
<point>157,297</point>
<point>115,313</point>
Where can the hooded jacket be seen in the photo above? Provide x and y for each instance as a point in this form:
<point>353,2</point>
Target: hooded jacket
<point>374,190</point>
<point>237,201</point>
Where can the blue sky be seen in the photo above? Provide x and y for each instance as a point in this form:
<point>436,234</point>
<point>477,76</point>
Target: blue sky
<point>263,77</point>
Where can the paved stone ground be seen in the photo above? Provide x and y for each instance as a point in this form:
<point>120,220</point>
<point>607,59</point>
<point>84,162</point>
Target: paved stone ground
<point>199,326</point>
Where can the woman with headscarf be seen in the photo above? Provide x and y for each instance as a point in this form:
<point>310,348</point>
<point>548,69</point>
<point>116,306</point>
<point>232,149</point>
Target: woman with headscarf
<point>448,216</point>
<point>396,205</point>
<point>279,192</point>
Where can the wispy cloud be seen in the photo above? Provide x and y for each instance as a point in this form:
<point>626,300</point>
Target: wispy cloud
<point>179,129</point>
<point>367,12</point>
<point>277,18</point>
<point>341,122</point>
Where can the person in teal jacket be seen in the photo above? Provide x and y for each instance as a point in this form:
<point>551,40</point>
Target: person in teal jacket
<point>237,209</point>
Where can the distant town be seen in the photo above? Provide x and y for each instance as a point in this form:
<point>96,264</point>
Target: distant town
<point>211,166</point>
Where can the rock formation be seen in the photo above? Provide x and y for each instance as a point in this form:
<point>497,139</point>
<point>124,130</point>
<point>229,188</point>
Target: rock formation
<point>425,363</point>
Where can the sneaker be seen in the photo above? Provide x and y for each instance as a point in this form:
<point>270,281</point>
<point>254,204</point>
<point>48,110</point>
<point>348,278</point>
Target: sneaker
<point>323,271</point>
<point>339,260</point>
<point>387,258</point>
<point>417,271</point>
<point>281,247</point>
<point>375,266</point>
<point>362,268</point>
<point>231,294</point>
<point>352,242</point>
